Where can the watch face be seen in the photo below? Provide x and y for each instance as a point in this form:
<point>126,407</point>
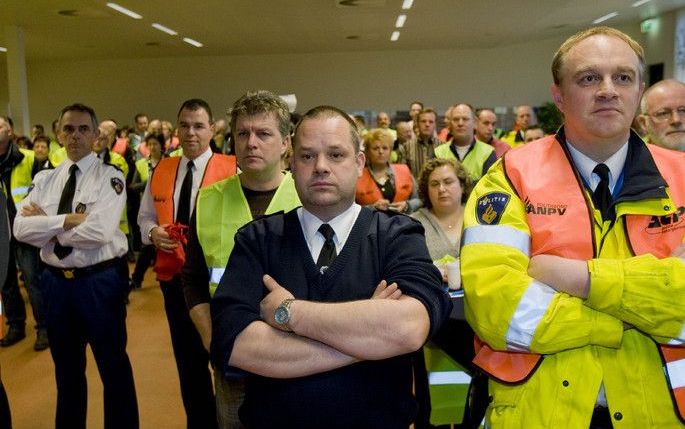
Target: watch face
<point>281,315</point>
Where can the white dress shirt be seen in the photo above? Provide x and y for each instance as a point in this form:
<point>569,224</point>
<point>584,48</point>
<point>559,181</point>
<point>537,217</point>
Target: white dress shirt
<point>585,165</point>
<point>341,224</point>
<point>147,216</point>
<point>100,193</point>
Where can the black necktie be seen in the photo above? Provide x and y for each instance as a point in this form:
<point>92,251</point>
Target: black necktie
<point>183,213</point>
<point>65,203</point>
<point>602,195</point>
<point>328,252</point>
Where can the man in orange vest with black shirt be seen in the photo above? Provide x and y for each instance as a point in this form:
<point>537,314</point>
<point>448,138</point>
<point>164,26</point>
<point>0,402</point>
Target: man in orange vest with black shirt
<point>572,259</point>
<point>167,205</point>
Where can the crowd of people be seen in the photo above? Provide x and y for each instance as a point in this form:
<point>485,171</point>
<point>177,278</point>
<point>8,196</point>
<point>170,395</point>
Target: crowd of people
<point>298,291</point>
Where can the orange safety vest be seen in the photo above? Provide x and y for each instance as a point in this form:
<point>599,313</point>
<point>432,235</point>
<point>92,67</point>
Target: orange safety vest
<point>368,191</point>
<point>575,239</point>
<point>163,182</point>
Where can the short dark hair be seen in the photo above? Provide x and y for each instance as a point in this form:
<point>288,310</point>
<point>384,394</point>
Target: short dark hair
<point>459,170</point>
<point>41,138</point>
<point>330,112</point>
<point>79,107</point>
<point>138,116</point>
<point>196,104</point>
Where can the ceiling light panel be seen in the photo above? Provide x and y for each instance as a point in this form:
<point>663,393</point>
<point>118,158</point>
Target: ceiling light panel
<point>164,29</point>
<point>125,11</point>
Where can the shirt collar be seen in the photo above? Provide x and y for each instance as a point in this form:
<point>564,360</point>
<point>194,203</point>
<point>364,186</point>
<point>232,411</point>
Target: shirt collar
<point>585,165</point>
<point>341,224</point>
<point>200,161</point>
<point>83,163</point>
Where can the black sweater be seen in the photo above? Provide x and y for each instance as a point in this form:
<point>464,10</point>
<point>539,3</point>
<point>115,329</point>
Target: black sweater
<point>367,394</point>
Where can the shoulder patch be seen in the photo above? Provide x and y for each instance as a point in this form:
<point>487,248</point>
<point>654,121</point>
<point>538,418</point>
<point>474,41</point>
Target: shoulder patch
<point>490,207</point>
<point>117,185</point>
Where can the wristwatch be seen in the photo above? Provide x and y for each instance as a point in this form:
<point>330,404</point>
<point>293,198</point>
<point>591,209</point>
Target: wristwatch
<point>149,235</point>
<point>282,314</point>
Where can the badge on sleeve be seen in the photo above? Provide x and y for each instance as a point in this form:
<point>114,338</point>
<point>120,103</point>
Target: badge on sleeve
<point>80,208</point>
<point>117,185</point>
<point>490,207</point>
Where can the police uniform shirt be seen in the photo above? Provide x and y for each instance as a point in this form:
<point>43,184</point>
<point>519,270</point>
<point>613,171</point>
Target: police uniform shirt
<point>100,194</point>
<point>147,217</point>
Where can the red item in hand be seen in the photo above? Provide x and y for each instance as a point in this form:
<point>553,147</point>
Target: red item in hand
<point>169,264</point>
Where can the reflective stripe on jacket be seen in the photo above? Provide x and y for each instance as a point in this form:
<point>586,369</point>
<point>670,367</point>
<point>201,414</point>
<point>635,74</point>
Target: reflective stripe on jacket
<point>222,209</point>
<point>535,203</point>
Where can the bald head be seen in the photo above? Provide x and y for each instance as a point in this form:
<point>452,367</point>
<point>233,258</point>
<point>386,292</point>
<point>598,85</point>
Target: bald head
<point>662,114</point>
<point>524,116</point>
<point>108,131</point>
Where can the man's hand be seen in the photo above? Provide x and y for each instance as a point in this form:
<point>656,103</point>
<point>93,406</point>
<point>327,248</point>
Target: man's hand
<point>273,299</point>
<point>385,291</point>
<point>32,209</point>
<point>382,204</point>
<point>400,206</point>
<point>160,238</point>
<point>72,220</point>
<point>562,274</point>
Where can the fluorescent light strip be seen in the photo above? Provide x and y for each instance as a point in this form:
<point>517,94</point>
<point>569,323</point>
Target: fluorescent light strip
<point>606,17</point>
<point>190,41</point>
<point>639,3</point>
<point>407,4</point>
<point>395,35</point>
<point>3,49</point>
<point>164,29</point>
<point>399,23</point>
<point>125,11</point>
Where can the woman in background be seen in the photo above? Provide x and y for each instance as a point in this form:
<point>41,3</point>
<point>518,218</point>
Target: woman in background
<point>144,168</point>
<point>383,185</point>
<point>444,187</point>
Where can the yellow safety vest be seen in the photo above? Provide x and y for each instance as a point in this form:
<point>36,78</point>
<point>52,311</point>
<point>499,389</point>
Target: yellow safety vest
<point>473,161</point>
<point>222,209</point>
<point>20,179</point>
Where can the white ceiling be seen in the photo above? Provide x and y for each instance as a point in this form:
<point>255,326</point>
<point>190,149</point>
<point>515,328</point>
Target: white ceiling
<point>237,27</point>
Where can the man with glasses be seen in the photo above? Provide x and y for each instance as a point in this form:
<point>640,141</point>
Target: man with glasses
<point>662,114</point>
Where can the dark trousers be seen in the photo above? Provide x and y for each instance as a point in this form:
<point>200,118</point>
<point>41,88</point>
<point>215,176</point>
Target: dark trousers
<point>28,259</point>
<point>90,309</point>
<point>145,259</point>
<point>5,416</point>
<point>192,360</point>
<point>12,301</point>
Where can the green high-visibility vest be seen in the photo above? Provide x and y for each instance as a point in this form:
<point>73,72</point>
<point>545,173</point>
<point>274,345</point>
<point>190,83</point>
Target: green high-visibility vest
<point>222,209</point>
<point>473,161</point>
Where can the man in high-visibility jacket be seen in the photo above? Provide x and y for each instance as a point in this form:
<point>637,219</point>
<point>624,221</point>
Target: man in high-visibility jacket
<point>165,210</point>
<point>260,122</point>
<point>476,157</point>
<point>572,259</point>
<point>16,165</point>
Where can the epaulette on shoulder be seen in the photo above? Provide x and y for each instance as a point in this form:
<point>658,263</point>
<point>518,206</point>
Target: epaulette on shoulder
<point>115,166</point>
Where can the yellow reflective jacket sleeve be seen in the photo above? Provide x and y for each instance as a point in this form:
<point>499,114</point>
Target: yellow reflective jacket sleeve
<point>647,292</point>
<point>505,306</point>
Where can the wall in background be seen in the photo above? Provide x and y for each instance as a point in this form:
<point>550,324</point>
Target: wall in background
<point>388,80</point>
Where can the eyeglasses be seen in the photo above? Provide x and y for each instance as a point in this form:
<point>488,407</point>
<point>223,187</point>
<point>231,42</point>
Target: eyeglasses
<point>666,114</point>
